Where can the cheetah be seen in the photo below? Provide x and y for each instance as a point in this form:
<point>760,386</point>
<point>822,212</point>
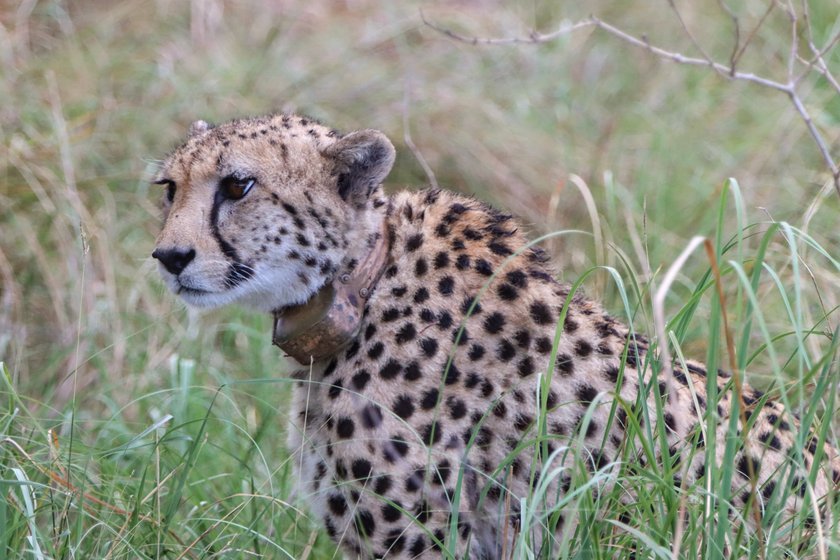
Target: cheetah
<point>434,345</point>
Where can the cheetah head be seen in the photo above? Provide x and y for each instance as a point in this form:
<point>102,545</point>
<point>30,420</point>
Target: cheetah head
<point>267,211</point>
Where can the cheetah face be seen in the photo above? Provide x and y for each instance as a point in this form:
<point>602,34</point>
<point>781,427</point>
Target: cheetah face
<point>263,211</point>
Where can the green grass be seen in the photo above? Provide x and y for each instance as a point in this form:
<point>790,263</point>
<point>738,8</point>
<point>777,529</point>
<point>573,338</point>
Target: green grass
<point>132,428</point>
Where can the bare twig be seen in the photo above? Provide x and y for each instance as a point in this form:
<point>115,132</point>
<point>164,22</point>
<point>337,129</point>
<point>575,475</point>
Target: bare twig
<point>730,71</point>
<point>751,35</point>
<point>736,43</point>
<point>533,37</point>
<point>691,38</point>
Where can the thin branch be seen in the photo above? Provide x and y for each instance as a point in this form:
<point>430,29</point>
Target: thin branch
<point>751,35</point>
<point>730,71</point>
<point>736,46</point>
<point>794,40</point>
<point>817,62</point>
<point>691,38</point>
<point>533,37</point>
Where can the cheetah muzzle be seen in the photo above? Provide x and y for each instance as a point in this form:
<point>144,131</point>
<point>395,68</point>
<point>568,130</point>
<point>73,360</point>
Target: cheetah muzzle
<point>433,341</point>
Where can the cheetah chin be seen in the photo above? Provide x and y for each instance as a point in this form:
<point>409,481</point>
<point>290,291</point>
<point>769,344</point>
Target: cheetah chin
<point>412,419</point>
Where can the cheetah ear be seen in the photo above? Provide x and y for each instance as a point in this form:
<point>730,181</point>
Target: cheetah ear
<point>362,161</point>
<point>198,127</point>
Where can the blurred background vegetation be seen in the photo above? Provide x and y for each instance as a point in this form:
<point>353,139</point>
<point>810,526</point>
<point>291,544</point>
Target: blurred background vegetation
<point>94,93</point>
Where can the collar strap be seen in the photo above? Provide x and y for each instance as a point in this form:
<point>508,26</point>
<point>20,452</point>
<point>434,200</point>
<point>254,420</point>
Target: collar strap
<point>331,319</point>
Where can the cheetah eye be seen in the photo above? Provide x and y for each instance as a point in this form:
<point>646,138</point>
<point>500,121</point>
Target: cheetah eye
<point>235,188</point>
<point>170,188</point>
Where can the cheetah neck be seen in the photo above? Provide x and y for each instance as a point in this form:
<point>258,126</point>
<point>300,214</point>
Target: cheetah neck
<point>330,320</point>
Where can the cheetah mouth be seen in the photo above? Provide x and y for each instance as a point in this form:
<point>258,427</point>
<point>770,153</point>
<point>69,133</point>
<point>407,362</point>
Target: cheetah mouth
<point>186,290</point>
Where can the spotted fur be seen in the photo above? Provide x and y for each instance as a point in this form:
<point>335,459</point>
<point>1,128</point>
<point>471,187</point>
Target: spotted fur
<point>430,410</point>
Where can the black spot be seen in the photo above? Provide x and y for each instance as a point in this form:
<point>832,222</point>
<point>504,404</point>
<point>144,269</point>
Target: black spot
<point>505,351</point>
<point>330,368</point>
<point>621,418</point>
<point>391,314</point>
<point>430,399</point>
<point>375,351</point>
<point>522,422</point>
<point>360,380</point>
<point>460,335</point>
<point>371,416</point>
<point>799,486</point>
<point>394,449</point>
<point>467,305</point>
<point>670,421</point>
<point>413,372</point>
<point>451,374</point>
<point>421,295</point>
<point>418,546</point>
<point>586,394</point>
<point>544,345</point>
<point>394,542</point>
<point>382,485</point>
<point>444,320</point>
<point>457,408</point>
<point>365,523</point>
<point>780,424</point>
<point>583,348</point>
<point>632,356</point>
<point>476,352</point>
<point>403,407</point>
<point>446,285</point>
<point>811,445</point>
<point>462,262</point>
<point>391,513</point>
<point>370,331</point>
<point>390,370</point>
<point>414,242</point>
<point>744,464</point>
<point>407,332</point>
<point>345,428</point>
<point>570,325</point>
<point>499,248</point>
<point>770,439</point>
<point>604,349</point>
<point>420,267</point>
<point>429,347</point>
<point>517,278</point>
<point>611,373</point>
<point>431,433</point>
<point>337,504</point>
<point>525,367</point>
<point>361,469</point>
<point>767,489</point>
<point>483,267</point>
<point>473,379</point>
<point>486,389</point>
<point>565,365</point>
<point>335,390</point>
<point>540,313</point>
<point>353,350</point>
<point>441,260</point>
<point>500,409</point>
<point>591,428</point>
<point>494,323</point>
<point>523,339</point>
<point>398,291</point>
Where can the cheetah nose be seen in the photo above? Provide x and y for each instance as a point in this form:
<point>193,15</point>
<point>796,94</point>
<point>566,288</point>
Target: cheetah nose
<point>175,260</point>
